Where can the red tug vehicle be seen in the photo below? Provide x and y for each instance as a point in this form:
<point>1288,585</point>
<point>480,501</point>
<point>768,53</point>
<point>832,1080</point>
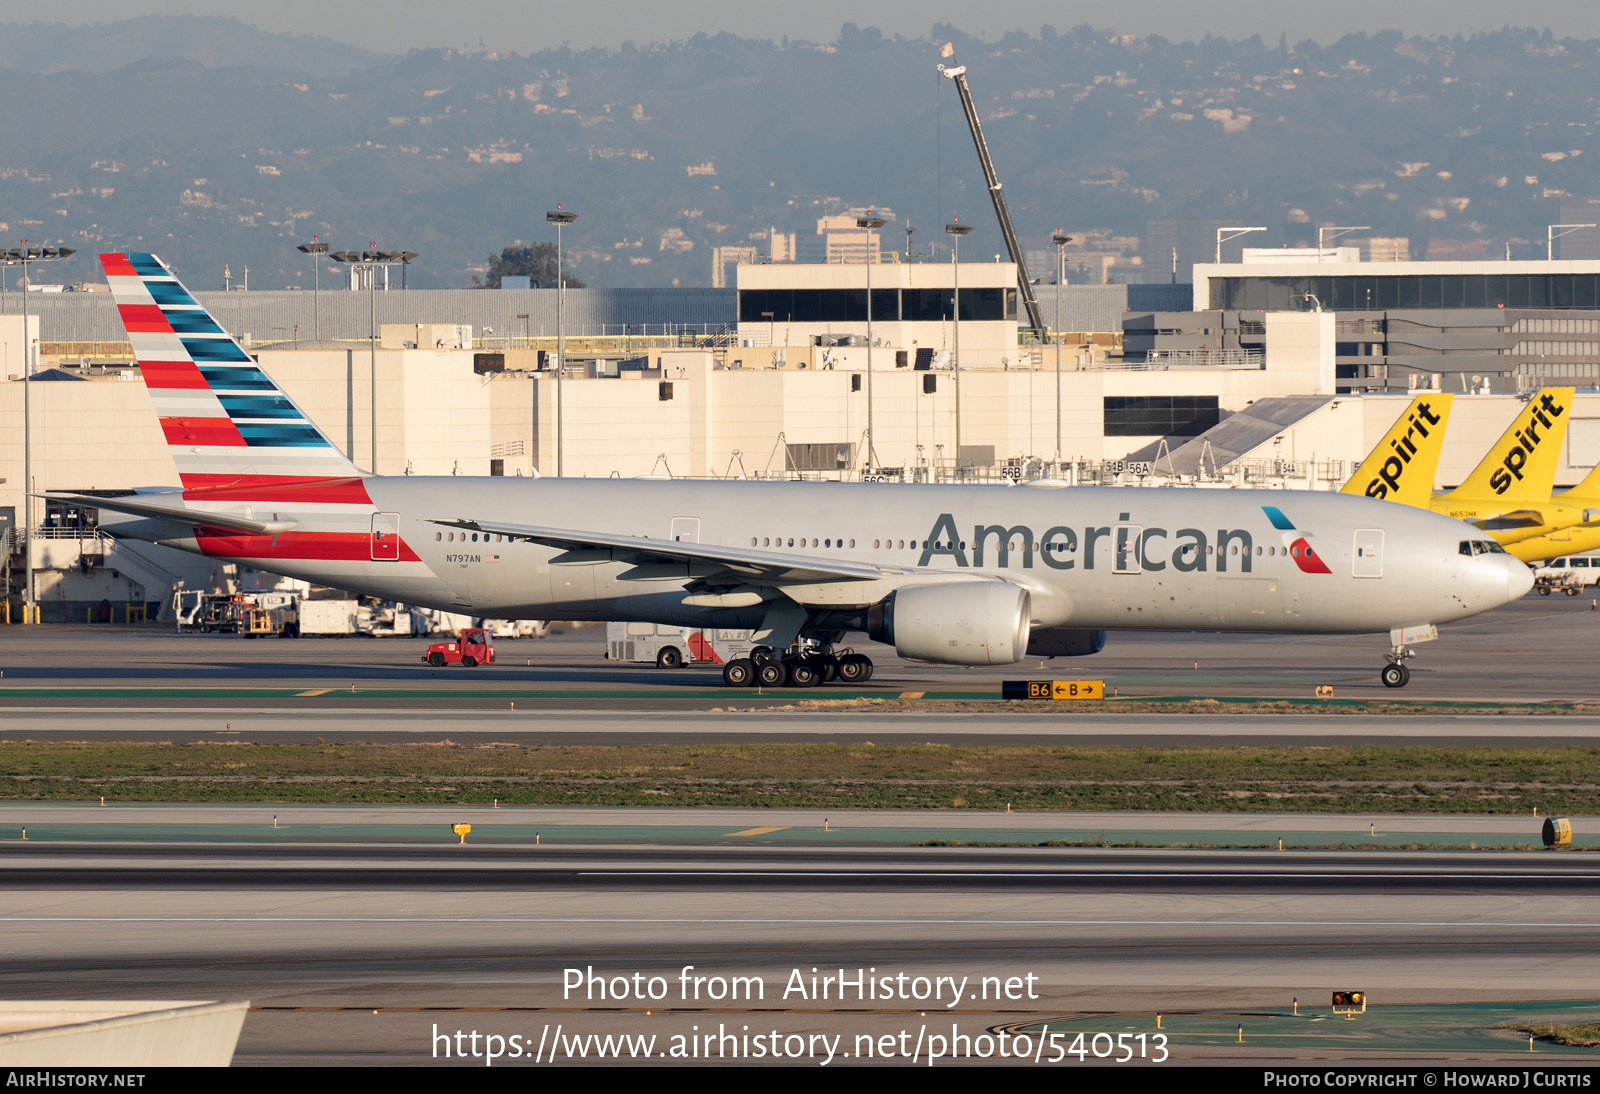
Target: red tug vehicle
<point>474,647</point>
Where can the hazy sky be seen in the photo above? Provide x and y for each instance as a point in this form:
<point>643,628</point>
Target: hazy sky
<point>524,25</point>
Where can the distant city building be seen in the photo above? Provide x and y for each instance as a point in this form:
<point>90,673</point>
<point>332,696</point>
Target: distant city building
<point>1464,326</point>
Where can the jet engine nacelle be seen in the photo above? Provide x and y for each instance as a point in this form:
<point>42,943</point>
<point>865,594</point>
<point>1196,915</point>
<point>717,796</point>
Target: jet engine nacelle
<point>1063,642</point>
<point>960,623</point>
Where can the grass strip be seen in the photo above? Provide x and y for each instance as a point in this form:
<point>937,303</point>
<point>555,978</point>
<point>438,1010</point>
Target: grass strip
<point>1584,1035</point>
<point>1199,779</point>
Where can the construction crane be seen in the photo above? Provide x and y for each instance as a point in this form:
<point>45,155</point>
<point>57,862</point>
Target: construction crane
<point>1024,284</point>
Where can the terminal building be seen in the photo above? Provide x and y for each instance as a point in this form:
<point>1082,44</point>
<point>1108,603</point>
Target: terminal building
<point>1281,375</point>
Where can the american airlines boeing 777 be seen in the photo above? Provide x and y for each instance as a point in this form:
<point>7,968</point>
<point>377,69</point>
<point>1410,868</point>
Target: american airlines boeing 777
<point>950,574</point>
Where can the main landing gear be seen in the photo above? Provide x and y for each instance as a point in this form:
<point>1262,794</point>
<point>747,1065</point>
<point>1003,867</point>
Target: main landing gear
<point>802,667</point>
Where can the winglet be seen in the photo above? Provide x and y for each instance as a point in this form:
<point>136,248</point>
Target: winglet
<point>1402,466</point>
<point>1522,464</point>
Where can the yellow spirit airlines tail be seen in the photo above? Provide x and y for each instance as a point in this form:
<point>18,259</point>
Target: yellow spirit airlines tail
<point>1521,467</point>
<point>1575,539</point>
<point>1402,466</point>
<point>1508,493</point>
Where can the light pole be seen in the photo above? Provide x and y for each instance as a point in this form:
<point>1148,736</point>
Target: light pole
<point>956,231</point>
<point>1061,242</point>
<point>1221,239</point>
<point>316,250</point>
<point>1323,234</point>
<point>558,218</point>
<point>26,256</point>
<point>1551,235</point>
<point>871,224</point>
<point>370,261</point>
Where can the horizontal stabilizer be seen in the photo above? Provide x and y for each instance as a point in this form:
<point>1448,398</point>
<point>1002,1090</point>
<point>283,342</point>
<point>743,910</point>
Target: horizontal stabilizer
<point>770,566</point>
<point>1504,522</point>
<point>136,505</point>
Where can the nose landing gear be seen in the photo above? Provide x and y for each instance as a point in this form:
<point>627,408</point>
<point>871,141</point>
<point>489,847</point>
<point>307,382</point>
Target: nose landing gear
<point>1395,674</point>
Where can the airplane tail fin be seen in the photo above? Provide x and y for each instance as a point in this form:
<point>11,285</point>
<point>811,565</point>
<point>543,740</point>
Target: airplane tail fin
<point>1522,464</point>
<point>1402,466</point>
<point>1587,490</point>
<point>228,424</point>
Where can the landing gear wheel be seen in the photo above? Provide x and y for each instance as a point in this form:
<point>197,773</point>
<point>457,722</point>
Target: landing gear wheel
<point>771,674</point>
<point>436,660</point>
<point>469,662</point>
<point>762,654</point>
<point>803,674</point>
<point>739,673</point>
<point>854,669</point>
<point>828,665</point>
<point>669,658</point>
<point>1395,676</point>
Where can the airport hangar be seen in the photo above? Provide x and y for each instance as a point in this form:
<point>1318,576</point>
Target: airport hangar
<point>1283,373</point>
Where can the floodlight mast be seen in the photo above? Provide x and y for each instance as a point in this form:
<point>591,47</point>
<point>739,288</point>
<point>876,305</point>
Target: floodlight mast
<point>316,249</point>
<point>1024,284</point>
<point>371,260</point>
<point>560,217</point>
<point>956,231</point>
<point>871,224</point>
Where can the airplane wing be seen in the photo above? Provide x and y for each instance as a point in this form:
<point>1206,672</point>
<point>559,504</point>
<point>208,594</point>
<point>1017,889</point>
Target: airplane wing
<point>138,506</point>
<point>749,565</point>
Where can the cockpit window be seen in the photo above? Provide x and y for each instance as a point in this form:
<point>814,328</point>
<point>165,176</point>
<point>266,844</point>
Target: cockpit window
<point>1481,547</point>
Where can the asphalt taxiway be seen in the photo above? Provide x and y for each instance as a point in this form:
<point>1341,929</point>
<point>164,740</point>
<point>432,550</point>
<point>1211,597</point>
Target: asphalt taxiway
<point>361,954</point>
<point>101,683</point>
<point>358,933</point>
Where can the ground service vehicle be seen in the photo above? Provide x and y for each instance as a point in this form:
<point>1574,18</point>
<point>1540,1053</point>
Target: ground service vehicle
<point>672,647</point>
<point>1568,575</point>
<point>474,647</point>
<point>949,574</point>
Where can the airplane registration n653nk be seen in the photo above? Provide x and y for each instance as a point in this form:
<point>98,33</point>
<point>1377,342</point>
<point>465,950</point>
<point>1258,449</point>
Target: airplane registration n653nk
<point>949,574</point>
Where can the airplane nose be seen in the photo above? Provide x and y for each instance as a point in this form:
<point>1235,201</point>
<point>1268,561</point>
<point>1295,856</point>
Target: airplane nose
<point>1519,578</point>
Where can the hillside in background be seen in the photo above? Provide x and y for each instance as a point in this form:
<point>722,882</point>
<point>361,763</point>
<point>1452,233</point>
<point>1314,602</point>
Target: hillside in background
<point>211,142</point>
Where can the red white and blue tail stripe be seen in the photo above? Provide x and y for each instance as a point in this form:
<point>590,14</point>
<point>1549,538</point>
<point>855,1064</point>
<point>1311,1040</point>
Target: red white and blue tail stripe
<point>228,424</point>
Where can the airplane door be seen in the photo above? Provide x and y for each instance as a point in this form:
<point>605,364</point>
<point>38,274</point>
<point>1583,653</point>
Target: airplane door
<point>386,537</point>
<point>1368,553</point>
<point>686,529</point>
<point>1126,546</point>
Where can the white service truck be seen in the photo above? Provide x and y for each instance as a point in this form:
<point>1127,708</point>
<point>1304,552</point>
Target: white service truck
<point>673,647</point>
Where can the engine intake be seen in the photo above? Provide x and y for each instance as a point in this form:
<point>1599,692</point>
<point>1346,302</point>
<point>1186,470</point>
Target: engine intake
<point>960,623</point>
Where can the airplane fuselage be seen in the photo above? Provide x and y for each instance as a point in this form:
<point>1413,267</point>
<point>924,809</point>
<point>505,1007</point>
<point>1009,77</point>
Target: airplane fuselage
<point>1090,557</point>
